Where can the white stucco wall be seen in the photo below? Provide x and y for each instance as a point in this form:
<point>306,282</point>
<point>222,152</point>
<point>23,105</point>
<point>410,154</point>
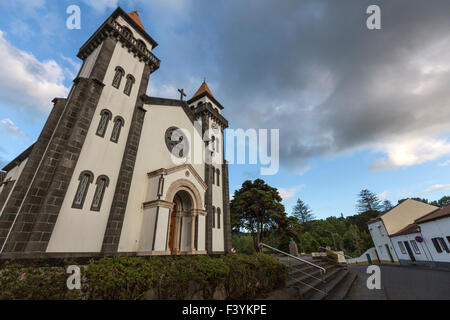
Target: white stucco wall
<point>439,228</point>
<point>83,230</point>
<point>423,254</point>
<point>380,239</point>
<point>153,155</point>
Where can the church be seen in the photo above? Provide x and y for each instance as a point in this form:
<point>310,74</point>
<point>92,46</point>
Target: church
<point>115,171</point>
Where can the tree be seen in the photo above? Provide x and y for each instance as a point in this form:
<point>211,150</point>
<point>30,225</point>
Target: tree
<point>256,207</point>
<point>302,212</point>
<point>442,202</point>
<point>387,205</point>
<point>368,201</point>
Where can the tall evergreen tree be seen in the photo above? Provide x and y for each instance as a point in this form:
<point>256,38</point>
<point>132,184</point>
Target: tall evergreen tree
<point>368,201</point>
<point>302,212</point>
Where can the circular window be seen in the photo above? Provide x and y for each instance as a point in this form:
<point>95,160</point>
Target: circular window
<point>177,142</point>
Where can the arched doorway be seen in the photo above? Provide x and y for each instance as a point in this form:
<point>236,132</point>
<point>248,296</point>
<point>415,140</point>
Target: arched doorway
<point>182,220</point>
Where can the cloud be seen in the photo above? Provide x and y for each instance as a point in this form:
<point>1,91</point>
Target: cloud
<point>436,187</point>
<point>383,195</point>
<point>102,5</point>
<point>410,152</point>
<point>286,194</point>
<point>314,70</point>
<point>11,128</point>
<point>444,164</point>
<point>27,82</point>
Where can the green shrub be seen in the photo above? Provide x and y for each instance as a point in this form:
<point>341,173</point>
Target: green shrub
<point>134,278</point>
<point>243,244</point>
<point>30,283</point>
<point>332,256</point>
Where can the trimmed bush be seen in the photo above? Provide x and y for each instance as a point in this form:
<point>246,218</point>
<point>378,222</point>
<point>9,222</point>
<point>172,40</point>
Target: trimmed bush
<point>134,278</point>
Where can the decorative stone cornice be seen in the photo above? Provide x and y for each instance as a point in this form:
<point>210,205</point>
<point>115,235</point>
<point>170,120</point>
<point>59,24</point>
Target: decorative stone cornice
<point>185,166</point>
<point>111,28</point>
<point>208,110</point>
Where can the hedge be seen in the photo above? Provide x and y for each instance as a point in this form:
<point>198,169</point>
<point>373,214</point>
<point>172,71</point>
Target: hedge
<point>137,278</point>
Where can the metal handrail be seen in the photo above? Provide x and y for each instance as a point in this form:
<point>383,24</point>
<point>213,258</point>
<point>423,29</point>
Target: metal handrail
<point>323,270</point>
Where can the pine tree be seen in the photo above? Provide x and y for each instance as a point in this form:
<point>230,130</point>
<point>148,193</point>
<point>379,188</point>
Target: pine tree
<point>302,212</point>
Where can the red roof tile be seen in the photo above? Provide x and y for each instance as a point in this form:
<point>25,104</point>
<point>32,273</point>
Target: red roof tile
<point>203,88</point>
<point>135,16</point>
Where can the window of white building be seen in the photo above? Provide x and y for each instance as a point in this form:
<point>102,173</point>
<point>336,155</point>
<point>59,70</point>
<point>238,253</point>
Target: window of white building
<point>415,247</point>
<point>402,247</point>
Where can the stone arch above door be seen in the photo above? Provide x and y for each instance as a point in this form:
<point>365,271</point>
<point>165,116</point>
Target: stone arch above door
<point>191,189</point>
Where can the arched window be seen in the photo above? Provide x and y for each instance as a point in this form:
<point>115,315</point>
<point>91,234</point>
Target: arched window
<point>213,175</point>
<point>86,178</point>
<point>118,77</point>
<point>105,116</point>
<point>218,218</point>
<point>213,217</point>
<point>129,84</point>
<point>102,183</point>
<point>213,143</point>
<point>118,124</point>
<point>218,177</point>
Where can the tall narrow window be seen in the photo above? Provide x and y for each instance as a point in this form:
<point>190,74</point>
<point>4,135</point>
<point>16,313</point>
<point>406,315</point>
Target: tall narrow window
<point>402,247</point>
<point>102,184</point>
<point>213,217</point>
<point>105,116</point>
<point>436,245</point>
<point>86,178</point>
<point>218,177</point>
<point>118,77</point>
<point>443,244</point>
<point>213,175</point>
<point>218,218</point>
<point>118,124</point>
<point>415,246</point>
<point>213,143</point>
<point>129,84</point>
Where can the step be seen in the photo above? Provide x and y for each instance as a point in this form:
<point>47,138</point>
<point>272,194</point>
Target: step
<point>299,277</point>
<point>308,269</point>
<point>331,286</point>
<point>305,291</point>
<point>344,288</point>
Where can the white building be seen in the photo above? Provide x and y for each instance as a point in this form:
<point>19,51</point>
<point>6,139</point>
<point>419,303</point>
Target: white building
<point>116,172</point>
<point>410,247</point>
<point>393,221</point>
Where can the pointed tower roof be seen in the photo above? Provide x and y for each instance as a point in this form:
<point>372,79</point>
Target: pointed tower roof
<point>203,88</point>
<point>202,92</point>
<point>135,16</point>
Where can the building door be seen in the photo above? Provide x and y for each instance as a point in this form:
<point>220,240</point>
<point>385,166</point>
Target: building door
<point>389,253</point>
<point>408,248</point>
<point>173,219</point>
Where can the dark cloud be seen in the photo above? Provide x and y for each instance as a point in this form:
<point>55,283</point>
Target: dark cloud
<point>313,69</point>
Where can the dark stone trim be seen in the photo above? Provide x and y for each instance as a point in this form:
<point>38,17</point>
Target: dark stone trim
<point>11,208</point>
<point>117,214</point>
<point>206,94</point>
<point>196,233</point>
<point>226,209</point>
<point>156,228</point>
<point>208,194</point>
<point>7,188</point>
<point>170,103</point>
<point>48,182</point>
<point>19,159</point>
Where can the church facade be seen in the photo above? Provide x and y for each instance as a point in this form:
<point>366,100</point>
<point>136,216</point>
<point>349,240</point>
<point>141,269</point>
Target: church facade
<point>117,172</point>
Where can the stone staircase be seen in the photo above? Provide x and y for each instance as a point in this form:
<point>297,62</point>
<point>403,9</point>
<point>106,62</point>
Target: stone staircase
<point>307,283</point>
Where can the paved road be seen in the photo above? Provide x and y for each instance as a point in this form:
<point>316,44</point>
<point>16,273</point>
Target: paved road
<point>401,282</point>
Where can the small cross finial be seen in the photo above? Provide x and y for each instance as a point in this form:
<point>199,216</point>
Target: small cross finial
<point>182,94</point>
